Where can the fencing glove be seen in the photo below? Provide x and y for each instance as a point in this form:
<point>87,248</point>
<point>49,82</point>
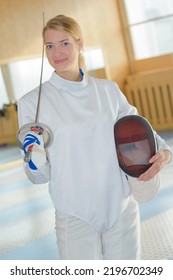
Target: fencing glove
<point>33,146</point>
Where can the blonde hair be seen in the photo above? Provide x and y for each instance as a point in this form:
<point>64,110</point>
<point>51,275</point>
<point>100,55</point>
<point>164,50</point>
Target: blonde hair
<point>68,25</point>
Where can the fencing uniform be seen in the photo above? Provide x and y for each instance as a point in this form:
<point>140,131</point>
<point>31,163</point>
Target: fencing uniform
<point>91,194</point>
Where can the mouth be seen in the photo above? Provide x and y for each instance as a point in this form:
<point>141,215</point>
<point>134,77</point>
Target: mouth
<point>60,61</point>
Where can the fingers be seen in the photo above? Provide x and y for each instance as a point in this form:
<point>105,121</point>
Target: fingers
<point>159,160</point>
<point>155,157</point>
<point>33,147</point>
<point>150,173</point>
<point>29,140</point>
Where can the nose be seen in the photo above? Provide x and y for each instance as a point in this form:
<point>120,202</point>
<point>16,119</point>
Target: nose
<point>57,50</point>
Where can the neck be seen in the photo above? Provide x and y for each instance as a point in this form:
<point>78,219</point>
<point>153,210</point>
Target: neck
<point>71,76</point>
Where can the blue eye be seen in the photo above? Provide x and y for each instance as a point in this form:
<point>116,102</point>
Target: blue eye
<point>49,46</point>
<point>65,44</point>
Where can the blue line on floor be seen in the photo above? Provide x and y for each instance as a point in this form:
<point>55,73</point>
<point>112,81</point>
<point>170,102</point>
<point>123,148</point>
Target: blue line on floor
<point>157,205</point>
<point>43,249</point>
<point>16,185</point>
<point>11,171</point>
<point>9,153</point>
<point>16,213</point>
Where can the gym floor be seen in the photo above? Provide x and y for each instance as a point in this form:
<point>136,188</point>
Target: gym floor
<point>27,214</point>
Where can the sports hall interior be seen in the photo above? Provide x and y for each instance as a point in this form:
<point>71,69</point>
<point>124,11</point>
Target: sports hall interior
<point>26,212</point>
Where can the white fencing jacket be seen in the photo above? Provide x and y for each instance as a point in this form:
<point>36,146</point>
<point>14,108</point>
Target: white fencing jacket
<point>85,179</point>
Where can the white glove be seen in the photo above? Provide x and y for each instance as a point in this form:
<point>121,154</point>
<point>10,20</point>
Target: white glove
<point>144,190</point>
<point>34,144</point>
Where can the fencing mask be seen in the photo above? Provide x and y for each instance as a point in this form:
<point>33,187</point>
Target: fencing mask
<point>135,144</point>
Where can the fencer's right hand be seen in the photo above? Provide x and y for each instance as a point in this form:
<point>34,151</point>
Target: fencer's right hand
<point>33,145</point>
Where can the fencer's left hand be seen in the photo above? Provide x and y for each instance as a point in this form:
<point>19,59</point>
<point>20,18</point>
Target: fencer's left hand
<point>159,160</point>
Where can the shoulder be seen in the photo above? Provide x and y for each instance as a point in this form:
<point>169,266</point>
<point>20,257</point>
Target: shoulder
<point>29,95</point>
<point>103,82</point>
<point>32,94</point>
<point>105,85</point>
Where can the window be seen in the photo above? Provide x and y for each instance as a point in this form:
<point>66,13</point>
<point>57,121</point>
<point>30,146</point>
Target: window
<point>25,75</point>
<point>94,58</point>
<point>150,26</point>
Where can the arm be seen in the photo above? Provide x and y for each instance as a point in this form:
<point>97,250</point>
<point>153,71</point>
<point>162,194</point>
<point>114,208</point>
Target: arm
<point>147,185</point>
<point>40,174</point>
<point>159,160</point>
<point>162,156</point>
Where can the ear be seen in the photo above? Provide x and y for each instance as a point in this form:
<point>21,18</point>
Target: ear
<point>80,44</point>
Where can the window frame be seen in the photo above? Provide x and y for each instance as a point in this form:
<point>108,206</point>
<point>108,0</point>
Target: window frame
<point>146,64</point>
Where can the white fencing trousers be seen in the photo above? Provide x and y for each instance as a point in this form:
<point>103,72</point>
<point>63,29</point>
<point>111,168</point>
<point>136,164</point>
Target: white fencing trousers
<point>77,240</point>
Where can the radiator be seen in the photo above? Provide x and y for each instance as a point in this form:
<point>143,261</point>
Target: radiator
<point>152,94</point>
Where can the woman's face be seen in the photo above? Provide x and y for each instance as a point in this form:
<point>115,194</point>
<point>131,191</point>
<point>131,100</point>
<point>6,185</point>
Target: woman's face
<point>62,52</point>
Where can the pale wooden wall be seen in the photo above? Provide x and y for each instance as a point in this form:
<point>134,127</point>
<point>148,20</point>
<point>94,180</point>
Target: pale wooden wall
<point>8,126</point>
<point>21,27</point>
